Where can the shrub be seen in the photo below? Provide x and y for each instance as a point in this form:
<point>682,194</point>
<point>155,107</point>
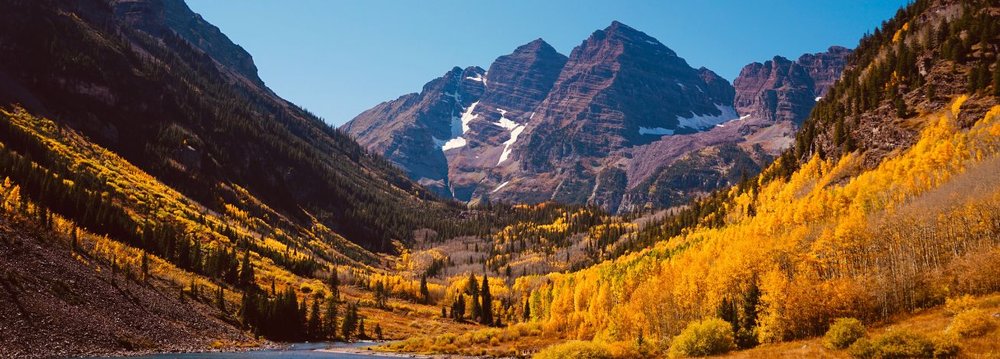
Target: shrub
<point>894,344</point>
<point>946,346</point>
<point>843,333</point>
<point>707,337</point>
<point>575,349</point>
<point>971,323</point>
<point>862,348</point>
<point>959,304</point>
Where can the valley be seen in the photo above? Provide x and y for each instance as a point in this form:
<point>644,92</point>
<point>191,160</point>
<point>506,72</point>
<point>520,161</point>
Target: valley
<point>158,198</point>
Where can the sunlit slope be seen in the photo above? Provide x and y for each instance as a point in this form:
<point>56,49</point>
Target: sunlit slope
<point>817,248</point>
<point>831,241</point>
<point>119,213</point>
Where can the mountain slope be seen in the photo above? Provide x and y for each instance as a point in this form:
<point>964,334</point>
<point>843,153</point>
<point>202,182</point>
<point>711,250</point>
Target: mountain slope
<point>201,125</point>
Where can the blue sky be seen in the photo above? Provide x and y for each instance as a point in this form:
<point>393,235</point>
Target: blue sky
<point>340,57</point>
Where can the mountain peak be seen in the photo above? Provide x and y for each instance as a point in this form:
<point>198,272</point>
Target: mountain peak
<point>537,46</point>
<point>619,32</point>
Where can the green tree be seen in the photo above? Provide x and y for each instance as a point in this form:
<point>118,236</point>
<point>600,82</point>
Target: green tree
<point>247,278</point>
<point>334,283</point>
<point>526,315</point>
<point>472,289</point>
<point>143,265</point>
<point>458,307</point>
<point>330,317</point>
<point>350,322</point>
<point>486,316</point>
<point>378,332</point>
<point>314,326</point>
<point>425,294</point>
<point>220,298</point>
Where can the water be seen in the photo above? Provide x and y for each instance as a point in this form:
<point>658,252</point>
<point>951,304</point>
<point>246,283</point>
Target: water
<point>294,351</point>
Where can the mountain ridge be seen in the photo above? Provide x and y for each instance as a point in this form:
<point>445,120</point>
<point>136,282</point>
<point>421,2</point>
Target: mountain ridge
<point>576,142</point>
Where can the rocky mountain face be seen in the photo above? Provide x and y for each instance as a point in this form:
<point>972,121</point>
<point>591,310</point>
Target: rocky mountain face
<point>161,17</point>
<point>784,90</point>
<point>623,123</point>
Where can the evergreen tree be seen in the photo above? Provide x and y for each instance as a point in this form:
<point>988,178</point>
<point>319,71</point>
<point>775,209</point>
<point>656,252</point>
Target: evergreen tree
<point>143,265</point>
<point>350,322</point>
<point>458,307</point>
<point>361,329</point>
<point>486,316</point>
<point>334,283</point>
<point>330,317</point>
<point>75,246</point>
<point>381,295</point>
<point>526,315</point>
<point>425,293</point>
<point>247,279</point>
<point>220,298</point>
<point>378,332</point>
<point>746,337</point>
<point>472,288</point>
<point>315,323</point>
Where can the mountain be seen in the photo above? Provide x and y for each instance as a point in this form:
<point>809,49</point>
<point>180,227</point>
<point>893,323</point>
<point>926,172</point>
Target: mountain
<point>782,90</point>
<point>155,83</point>
<point>454,129</point>
<point>623,123</point>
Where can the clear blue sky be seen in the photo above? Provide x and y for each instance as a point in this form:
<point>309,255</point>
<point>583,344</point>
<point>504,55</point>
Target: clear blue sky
<point>340,57</point>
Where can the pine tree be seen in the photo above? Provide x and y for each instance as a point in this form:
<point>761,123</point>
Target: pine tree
<point>330,317</point>
<point>425,294</point>
<point>487,307</point>
<point>220,298</point>
<point>334,283</point>
<point>727,311</point>
<point>75,246</point>
<point>350,322</point>
<point>144,266</point>
<point>472,288</point>
<point>314,323</point>
<point>458,307</point>
<point>378,332</point>
<point>746,337</point>
<point>361,329</point>
<point>247,279</point>
<point>381,295</point>
<point>526,315</point>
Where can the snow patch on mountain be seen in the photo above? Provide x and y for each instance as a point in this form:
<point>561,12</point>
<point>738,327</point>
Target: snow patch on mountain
<point>454,143</point>
<point>508,143</point>
<point>500,186</point>
<point>701,122</point>
<point>468,116</point>
<point>477,78</point>
<point>659,131</point>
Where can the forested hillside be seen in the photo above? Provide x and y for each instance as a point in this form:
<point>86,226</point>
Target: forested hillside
<point>888,204</point>
<point>158,99</point>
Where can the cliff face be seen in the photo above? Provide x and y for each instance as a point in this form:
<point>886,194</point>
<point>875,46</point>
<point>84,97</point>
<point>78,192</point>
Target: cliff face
<point>783,90</point>
<point>622,123</point>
